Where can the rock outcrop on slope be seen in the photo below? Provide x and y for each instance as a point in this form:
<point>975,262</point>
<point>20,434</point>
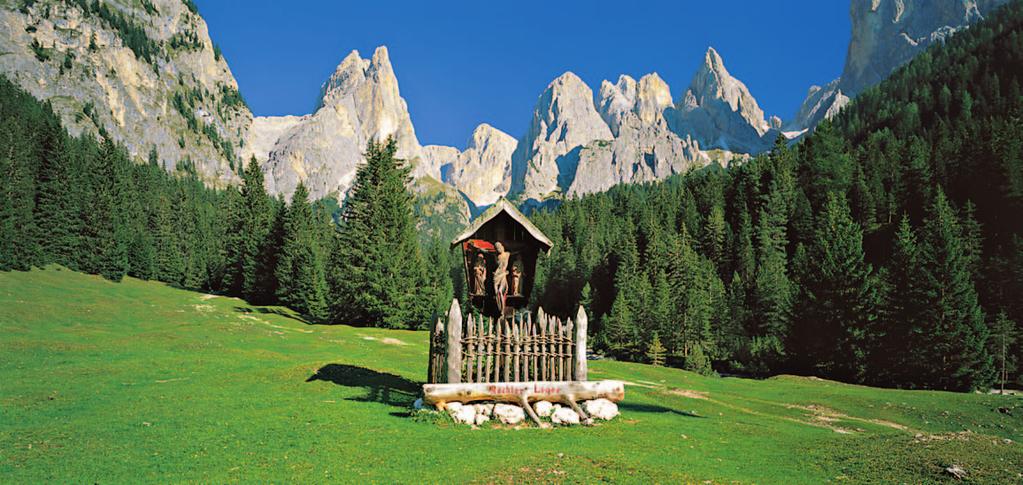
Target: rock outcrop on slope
<point>359,103</point>
<point>888,33</point>
<point>483,171</point>
<point>885,35</point>
<point>564,120</point>
<point>821,103</point>
<point>644,147</point>
<point>718,111</point>
<point>646,100</point>
<point>147,74</point>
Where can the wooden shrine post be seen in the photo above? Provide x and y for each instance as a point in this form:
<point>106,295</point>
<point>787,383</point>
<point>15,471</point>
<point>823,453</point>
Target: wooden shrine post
<point>580,345</point>
<point>454,343</point>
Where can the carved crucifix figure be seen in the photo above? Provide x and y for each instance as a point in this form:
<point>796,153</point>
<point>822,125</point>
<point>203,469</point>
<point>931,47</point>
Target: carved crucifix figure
<point>501,276</point>
<point>479,273</point>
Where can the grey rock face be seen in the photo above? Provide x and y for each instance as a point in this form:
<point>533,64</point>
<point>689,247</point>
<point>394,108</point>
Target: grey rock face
<point>641,153</point>
<point>718,110</point>
<point>133,99</point>
<point>435,158</point>
<point>483,171</point>
<point>887,33</point>
<point>359,103</point>
<point>644,147</point>
<point>616,100</point>
<point>564,120</point>
<point>820,104</point>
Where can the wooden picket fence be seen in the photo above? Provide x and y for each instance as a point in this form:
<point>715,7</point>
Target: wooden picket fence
<point>513,349</point>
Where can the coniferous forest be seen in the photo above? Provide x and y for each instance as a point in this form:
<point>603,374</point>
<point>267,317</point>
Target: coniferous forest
<point>886,248</point>
<point>86,205</point>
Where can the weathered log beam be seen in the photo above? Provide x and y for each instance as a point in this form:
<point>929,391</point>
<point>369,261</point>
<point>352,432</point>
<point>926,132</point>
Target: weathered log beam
<point>515,392</point>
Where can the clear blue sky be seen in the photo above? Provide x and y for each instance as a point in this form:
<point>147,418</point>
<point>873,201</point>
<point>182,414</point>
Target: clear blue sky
<point>467,62</point>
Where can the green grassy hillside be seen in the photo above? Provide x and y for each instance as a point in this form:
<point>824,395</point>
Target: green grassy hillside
<point>140,382</point>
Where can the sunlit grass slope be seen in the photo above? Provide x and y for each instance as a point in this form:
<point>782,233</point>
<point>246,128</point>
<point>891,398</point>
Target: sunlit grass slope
<point>139,382</point>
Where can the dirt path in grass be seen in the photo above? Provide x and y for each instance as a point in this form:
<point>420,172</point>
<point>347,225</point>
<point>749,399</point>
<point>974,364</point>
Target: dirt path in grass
<point>815,415</point>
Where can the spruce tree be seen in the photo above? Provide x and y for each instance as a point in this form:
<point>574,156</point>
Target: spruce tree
<point>714,237</point>
<point>300,268</point>
<point>955,321</point>
<point>839,305</point>
<point>56,205</point>
<point>772,287</point>
<point>1003,336</point>
<point>232,212</point>
<point>104,242</point>
<point>377,275</point>
<point>655,352</point>
<point>698,362</point>
<point>17,198</point>
<point>256,220</point>
<point>169,262</point>
<point>901,358</point>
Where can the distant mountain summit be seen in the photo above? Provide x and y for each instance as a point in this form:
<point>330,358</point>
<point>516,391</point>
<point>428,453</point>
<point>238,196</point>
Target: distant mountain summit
<point>358,103</point>
<point>719,111</point>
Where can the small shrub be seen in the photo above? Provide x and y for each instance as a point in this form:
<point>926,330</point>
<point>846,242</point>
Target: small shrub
<point>698,361</point>
<point>42,53</point>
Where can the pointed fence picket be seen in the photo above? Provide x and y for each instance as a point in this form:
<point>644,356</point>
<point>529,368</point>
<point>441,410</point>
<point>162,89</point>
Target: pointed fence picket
<point>507,349</point>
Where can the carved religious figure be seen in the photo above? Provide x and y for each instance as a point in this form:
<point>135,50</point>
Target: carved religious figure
<point>479,275</point>
<point>516,278</point>
<point>501,276</point>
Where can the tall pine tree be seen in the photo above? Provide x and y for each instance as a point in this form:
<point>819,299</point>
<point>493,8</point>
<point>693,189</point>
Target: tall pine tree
<point>301,276</point>
<point>377,273</point>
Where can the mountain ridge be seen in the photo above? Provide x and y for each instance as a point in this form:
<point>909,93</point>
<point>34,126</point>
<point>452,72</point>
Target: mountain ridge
<point>176,95</point>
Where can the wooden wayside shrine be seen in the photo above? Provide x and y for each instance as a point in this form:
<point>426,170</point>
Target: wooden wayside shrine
<point>500,351</point>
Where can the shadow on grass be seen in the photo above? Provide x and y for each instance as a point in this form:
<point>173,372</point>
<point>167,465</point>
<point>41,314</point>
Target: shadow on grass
<point>653,408</point>
<point>271,311</point>
<point>380,387</point>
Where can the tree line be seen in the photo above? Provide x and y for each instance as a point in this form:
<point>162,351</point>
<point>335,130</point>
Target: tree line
<point>85,204</point>
<point>886,248</point>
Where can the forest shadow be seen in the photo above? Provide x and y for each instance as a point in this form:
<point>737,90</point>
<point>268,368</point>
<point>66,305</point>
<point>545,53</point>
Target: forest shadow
<point>380,387</point>
<point>272,311</point>
<point>654,408</point>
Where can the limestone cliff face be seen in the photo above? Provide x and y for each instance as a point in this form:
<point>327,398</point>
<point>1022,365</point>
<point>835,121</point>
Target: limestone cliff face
<point>643,149</point>
<point>173,92</point>
<point>719,112</point>
<point>885,35</point>
<point>564,120</point>
<point>483,171</point>
<point>359,103</point>
<point>821,103</point>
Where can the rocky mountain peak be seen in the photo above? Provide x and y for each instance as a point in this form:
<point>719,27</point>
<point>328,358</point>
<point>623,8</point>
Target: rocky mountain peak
<point>348,74</point>
<point>718,111</point>
<point>565,113</point>
<point>712,82</point>
<point>615,100</point>
<point>565,119</point>
<point>484,135</point>
<point>361,102</point>
<point>653,96</point>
